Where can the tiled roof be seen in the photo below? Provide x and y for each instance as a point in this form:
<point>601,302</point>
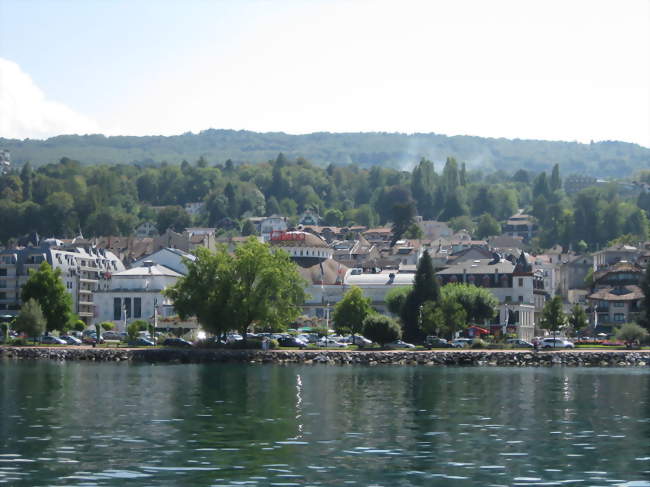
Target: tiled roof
<point>621,293</point>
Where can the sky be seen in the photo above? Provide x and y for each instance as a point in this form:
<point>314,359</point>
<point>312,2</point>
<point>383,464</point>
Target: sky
<point>556,70</point>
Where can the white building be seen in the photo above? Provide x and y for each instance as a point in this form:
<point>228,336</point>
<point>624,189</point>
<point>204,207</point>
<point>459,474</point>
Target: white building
<point>81,269</point>
<point>168,257</point>
<point>135,294</point>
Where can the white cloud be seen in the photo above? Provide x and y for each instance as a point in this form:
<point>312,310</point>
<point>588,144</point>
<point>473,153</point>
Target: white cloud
<point>25,111</point>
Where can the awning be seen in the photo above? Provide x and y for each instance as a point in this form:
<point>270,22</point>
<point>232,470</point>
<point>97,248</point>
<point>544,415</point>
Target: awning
<point>480,330</point>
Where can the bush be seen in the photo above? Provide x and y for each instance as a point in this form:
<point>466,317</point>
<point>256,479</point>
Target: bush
<point>107,325</point>
<point>18,342</point>
<point>479,343</point>
<point>631,334</point>
<point>381,329</point>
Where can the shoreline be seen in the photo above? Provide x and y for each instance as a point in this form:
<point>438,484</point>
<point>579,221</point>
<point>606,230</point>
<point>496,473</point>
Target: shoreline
<point>475,358</point>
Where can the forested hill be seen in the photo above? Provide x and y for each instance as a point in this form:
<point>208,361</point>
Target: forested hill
<point>393,150</point>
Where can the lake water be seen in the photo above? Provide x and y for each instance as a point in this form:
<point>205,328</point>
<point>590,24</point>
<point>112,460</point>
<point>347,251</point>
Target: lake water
<point>80,424</point>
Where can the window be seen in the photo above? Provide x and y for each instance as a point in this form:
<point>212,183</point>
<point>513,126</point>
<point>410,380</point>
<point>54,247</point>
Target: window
<point>521,299</point>
<point>521,282</point>
<point>618,304</point>
<point>3,272</point>
<point>117,309</point>
<point>619,317</point>
<point>127,307</point>
<point>137,307</point>
<point>3,295</point>
<point>508,299</point>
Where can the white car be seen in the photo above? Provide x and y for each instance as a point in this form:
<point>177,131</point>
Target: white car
<point>329,343</point>
<point>556,343</point>
<point>399,344</point>
<point>461,342</point>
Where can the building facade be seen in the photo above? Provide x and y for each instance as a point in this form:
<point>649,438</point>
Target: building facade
<point>81,270</point>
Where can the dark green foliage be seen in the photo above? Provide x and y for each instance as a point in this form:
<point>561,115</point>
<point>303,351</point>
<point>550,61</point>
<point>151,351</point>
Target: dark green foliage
<point>403,219</point>
<point>645,304</point>
<point>425,288</point>
<point>173,217</point>
<point>553,317</point>
<point>381,329</point>
<point>46,287</point>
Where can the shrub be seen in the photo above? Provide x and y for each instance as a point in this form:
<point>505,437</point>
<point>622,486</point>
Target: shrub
<point>631,334</point>
<point>478,343</point>
<point>79,325</point>
<point>381,329</point>
<point>107,325</point>
<point>18,342</point>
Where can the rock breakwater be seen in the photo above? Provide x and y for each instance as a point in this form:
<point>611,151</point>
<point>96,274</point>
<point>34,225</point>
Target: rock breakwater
<point>335,357</point>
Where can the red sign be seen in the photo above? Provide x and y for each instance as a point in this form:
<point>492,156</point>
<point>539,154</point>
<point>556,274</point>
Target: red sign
<point>284,236</point>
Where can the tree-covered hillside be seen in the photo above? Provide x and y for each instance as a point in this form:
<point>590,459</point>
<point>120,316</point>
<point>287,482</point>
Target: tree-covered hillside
<point>394,150</point>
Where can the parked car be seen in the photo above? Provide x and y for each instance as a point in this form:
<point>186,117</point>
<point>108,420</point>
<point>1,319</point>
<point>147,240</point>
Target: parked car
<point>141,342</point>
<point>177,342</point>
<point>111,335</point>
<point>399,344</point>
<point>71,340</point>
<point>516,342</point>
<point>291,342</point>
<point>359,340</point>
<point>329,343</point>
<point>52,340</point>
<point>556,343</point>
<point>437,342</point>
<point>461,342</point>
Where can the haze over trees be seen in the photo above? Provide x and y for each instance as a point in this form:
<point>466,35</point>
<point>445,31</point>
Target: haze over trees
<point>390,150</point>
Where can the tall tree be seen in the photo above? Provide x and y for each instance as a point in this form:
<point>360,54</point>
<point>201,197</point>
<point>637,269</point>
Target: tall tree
<point>46,287</point>
<point>350,311</point>
<point>555,182</point>
<point>403,218</point>
<point>644,319</point>
<point>425,288</point>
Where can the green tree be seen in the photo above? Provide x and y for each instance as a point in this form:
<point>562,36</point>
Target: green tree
<point>555,183</point>
<point>79,325</point>
<point>487,226</point>
<point>446,317</point>
<point>577,318</point>
<point>173,217</point>
<point>395,299</point>
<point>381,329</point>
<point>425,288</point>
<point>478,303</point>
<point>107,325</point>
<point>403,218</point>
<point>645,303</point>
<point>350,311</point>
<point>31,320</point>
<point>46,287</point>
<point>333,217</point>
<point>553,317</point>
<point>256,284</point>
<point>135,327</point>
<point>631,334</point>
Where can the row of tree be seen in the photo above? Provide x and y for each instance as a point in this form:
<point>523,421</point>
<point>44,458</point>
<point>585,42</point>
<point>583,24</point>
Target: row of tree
<point>65,198</point>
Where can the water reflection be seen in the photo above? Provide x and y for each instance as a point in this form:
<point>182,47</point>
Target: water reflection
<point>98,424</point>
